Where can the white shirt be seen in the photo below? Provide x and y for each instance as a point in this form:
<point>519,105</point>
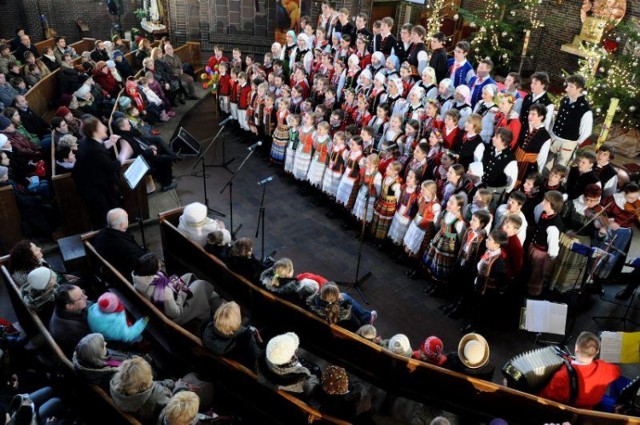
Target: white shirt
<point>501,212</point>
<point>550,107</point>
<point>553,234</point>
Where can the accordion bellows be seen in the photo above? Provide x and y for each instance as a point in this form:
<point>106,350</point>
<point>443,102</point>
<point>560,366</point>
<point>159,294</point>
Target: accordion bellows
<point>530,371</point>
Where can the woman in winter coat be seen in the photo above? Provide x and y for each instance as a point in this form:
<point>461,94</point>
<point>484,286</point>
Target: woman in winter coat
<point>93,361</point>
<point>180,299</point>
<point>108,317</point>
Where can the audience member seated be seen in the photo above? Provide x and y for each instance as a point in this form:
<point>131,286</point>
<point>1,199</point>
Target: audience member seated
<point>16,120</point>
<point>26,256</point>
<point>94,361</point>
<point>100,52</point>
<point>103,76</point>
<point>593,375</point>
<point>119,45</point>
<point>18,142</point>
<point>7,92</point>
<point>116,245</point>
<point>26,46</point>
<point>217,246</point>
<point>132,145</point>
<point>472,357</point>
<point>195,224</point>
<point>6,57</point>
<point>279,279</point>
<point>144,51</point>
<point>96,173</point>
<point>68,77</point>
<point>370,333</point>
<point>122,65</point>
<point>174,63</point>
<point>68,324</point>
<point>226,337</point>
<point>156,88</point>
<point>242,261</point>
<point>73,123</point>
<point>61,49</point>
<point>31,59</point>
<point>279,366</point>
<point>32,122</point>
<point>107,316</point>
<point>182,299</point>
<point>336,307</point>
<point>48,58</point>
<point>399,344</point>
<point>182,409</point>
<point>65,159</point>
<point>32,74</point>
<point>41,406</point>
<point>39,292</point>
<point>431,351</point>
<point>339,397</point>
<point>15,42</point>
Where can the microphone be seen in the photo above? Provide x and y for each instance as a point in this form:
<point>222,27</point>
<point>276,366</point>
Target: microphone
<point>225,121</point>
<point>267,180</point>
<point>254,146</point>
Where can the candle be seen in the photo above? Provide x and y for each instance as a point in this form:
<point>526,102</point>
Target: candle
<point>527,34</point>
<point>607,121</point>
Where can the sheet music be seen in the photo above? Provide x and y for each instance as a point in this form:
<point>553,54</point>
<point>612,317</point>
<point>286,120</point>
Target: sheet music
<point>545,316</point>
<point>611,346</point>
<point>136,172</point>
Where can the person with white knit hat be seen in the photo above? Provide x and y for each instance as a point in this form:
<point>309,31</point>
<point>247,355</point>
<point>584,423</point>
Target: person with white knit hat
<point>195,224</point>
<point>399,344</point>
<point>39,292</point>
<point>280,368</point>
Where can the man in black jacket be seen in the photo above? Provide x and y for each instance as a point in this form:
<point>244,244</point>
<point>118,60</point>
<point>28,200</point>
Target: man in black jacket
<point>100,52</point>
<point>68,324</point>
<point>439,58</point>
<point>31,121</point>
<point>116,245</point>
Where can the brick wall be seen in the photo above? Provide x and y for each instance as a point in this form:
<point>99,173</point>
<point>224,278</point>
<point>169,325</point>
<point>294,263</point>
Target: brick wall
<point>62,16</point>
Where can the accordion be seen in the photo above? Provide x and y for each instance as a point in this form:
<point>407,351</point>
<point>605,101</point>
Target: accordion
<point>532,370</point>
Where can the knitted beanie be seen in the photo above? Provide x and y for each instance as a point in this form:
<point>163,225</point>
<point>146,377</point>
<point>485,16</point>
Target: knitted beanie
<point>110,303</point>
<point>335,380</point>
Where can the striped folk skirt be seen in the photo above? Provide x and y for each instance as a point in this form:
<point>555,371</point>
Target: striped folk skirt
<point>330,182</point>
<point>279,145</point>
<point>540,268</point>
<point>346,188</point>
<point>383,211</point>
<point>440,258</point>
<point>301,164</point>
<point>417,239</point>
<point>315,173</point>
<point>358,207</point>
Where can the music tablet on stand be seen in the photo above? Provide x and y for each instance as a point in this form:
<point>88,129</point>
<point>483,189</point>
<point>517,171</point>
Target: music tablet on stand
<point>136,172</point>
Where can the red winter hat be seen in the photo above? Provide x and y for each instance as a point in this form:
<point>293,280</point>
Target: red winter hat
<point>432,349</point>
<point>62,111</point>
<point>110,303</point>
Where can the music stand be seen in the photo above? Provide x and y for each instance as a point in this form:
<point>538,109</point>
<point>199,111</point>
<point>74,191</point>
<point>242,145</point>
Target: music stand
<point>133,176</point>
<point>542,317</point>
<point>624,318</point>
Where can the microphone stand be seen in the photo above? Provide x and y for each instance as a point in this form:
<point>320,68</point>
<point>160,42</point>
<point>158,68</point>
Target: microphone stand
<point>204,186</point>
<point>359,281</point>
<point>229,184</point>
<point>224,164</point>
<point>261,222</point>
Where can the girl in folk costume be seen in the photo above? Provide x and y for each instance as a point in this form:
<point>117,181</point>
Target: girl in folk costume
<point>453,183</point>
<point>370,186</point>
<point>430,119</point>
<point>296,100</point>
<point>335,46</point>
<point>418,163</point>
<point>422,227</point>
<point>353,72</point>
<point>347,188</point>
<point>368,141</point>
<point>224,87</point>
<point>378,94</point>
<point>507,117</point>
<point>391,68</point>
<point>414,109</point>
<point>487,108</point>
<point>379,123</point>
<point>385,206</point>
<point>471,149</point>
<point>462,102</point>
<point>365,85</point>
<point>281,133</point>
<point>330,101</point>
<point>349,106</point>
<point>390,142</point>
<point>479,202</point>
<point>321,143</point>
<point>428,84</point>
<point>306,107</point>
<point>305,148</point>
<point>362,43</point>
<point>321,41</point>
<point>293,122</point>
<point>301,54</point>
<point>299,78</point>
<point>256,110</point>
<point>321,114</point>
<point>377,63</point>
<point>362,116</point>
<point>406,75</point>
<point>269,121</point>
<point>336,122</point>
<point>409,143</point>
<point>344,49</point>
<point>316,65</point>
<point>434,154</point>
<point>338,79</point>
<point>320,84</point>
<point>406,209</point>
<point>440,258</point>
<point>335,168</point>
<point>326,67</point>
<point>445,95</point>
<point>451,133</point>
<point>394,95</point>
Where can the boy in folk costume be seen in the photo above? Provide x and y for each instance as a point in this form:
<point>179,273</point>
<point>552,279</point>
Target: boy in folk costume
<point>451,133</point>
<point>268,124</point>
<point>386,204</point>
<point>224,87</point>
<point>281,133</point>
<point>293,121</point>
<point>243,98</point>
<point>305,148</point>
<point>513,251</point>
<point>409,144</point>
<point>514,206</point>
<point>471,249</point>
<point>348,186</point>
<point>555,179</point>
<point>479,202</point>
<point>368,141</point>
<point>581,175</point>
<point>379,123</point>
<point>336,165</point>
<point>460,70</point>
<point>406,209</point>
<point>370,187</point>
<point>533,148</point>
<point>422,227</point>
<point>336,122</point>
<point>499,166</point>
<point>471,147</point>
<point>545,241</point>
<point>604,170</point>
<point>440,258</point>
<point>321,143</point>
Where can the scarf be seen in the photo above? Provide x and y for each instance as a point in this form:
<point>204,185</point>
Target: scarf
<point>159,283</point>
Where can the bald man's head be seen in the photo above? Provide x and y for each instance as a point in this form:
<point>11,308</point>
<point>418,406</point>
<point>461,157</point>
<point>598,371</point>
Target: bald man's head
<point>118,219</point>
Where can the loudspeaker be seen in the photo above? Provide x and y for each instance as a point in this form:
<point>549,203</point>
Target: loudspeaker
<point>185,144</point>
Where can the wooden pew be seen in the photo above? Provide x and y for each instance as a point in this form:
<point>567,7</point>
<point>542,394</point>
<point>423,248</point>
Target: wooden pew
<point>278,406</point>
<point>10,221</point>
<point>93,395</point>
<point>396,374</point>
<point>72,208</point>
<point>190,53</point>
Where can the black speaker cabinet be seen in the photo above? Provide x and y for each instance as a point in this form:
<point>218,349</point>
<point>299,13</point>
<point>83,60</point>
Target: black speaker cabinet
<point>185,144</point>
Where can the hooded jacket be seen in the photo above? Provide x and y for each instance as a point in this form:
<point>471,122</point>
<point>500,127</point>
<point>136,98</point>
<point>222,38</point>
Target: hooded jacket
<point>114,326</point>
<point>145,405</point>
<point>241,346</point>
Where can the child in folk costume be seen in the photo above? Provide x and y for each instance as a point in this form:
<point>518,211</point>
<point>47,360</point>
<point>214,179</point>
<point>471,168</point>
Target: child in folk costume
<point>514,253</point>
<point>336,122</point>
<point>362,115</point>
<point>368,141</point>
<point>224,87</point>
<point>321,114</point>
<point>305,148</point>
<point>406,209</point>
<point>293,121</point>
<point>335,168</point>
<point>296,100</point>
<point>430,120</point>
<point>235,93</point>
<point>471,148</point>
<point>434,154</point>
<point>390,142</point>
<point>480,202</point>
<point>394,96</point>
<point>408,80</point>
<point>281,133</point>
<point>409,144</point>
<point>269,121</point>
<point>330,101</point>
<point>379,123</point>
<point>378,95</point>
<point>414,109</point>
<point>338,78</point>
<point>321,143</point>
<point>347,188</point>
<point>462,104</point>
<point>385,206</point>
<point>453,182</point>
<point>422,229</point>
<point>244,94</point>
<point>451,133</point>
<point>370,186</point>
<point>349,106</point>
<point>353,72</point>
<point>440,258</point>
<point>365,84</point>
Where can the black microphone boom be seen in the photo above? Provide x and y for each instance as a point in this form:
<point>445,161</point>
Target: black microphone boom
<point>254,146</point>
<point>267,180</point>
